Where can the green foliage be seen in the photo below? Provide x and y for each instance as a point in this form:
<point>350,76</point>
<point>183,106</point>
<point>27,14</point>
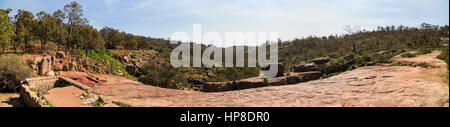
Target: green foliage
<point>75,18</point>
<point>24,28</point>
<point>6,31</point>
<point>98,103</point>
<point>92,39</point>
<point>444,56</point>
<point>12,71</point>
<point>423,64</point>
<point>112,37</point>
<point>387,40</point>
<point>162,75</point>
<point>104,56</point>
<point>410,55</point>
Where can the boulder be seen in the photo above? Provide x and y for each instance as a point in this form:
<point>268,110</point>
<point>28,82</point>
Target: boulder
<point>217,86</point>
<point>126,59</point>
<point>294,78</point>
<point>312,75</point>
<point>280,68</point>
<point>196,81</point>
<point>60,54</point>
<point>321,60</point>
<point>277,81</point>
<point>50,73</point>
<point>92,99</point>
<point>70,66</point>
<point>244,84</point>
<point>139,65</point>
<point>131,69</point>
<point>250,83</point>
<point>45,65</point>
<point>304,67</point>
<point>58,67</point>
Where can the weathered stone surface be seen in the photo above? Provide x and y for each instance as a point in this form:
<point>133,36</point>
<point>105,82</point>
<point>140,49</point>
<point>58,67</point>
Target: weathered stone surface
<point>321,60</point>
<point>277,81</point>
<point>254,82</point>
<point>304,67</point>
<point>45,65</point>
<point>280,68</point>
<point>60,54</point>
<point>294,78</point>
<point>50,73</point>
<point>196,81</point>
<point>217,86</point>
<point>72,66</point>
<point>131,69</point>
<point>92,99</point>
<point>126,59</point>
<point>139,65</point>
<point>244,84</point>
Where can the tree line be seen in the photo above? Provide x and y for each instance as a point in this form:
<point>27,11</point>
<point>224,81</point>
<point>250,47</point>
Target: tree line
<point>68,29</point>
<point>363,42</point>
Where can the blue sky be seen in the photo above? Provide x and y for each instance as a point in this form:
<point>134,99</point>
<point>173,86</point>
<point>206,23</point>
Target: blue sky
<point>292,18</point>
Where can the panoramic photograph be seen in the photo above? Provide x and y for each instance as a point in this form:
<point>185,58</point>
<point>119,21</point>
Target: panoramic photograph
<point>224,53</point>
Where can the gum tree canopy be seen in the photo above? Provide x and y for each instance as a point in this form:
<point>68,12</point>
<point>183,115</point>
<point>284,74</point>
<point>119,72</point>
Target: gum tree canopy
<point>6,31</point>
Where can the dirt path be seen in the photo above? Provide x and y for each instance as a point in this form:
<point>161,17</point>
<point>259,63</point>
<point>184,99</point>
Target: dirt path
<point>386,85</point>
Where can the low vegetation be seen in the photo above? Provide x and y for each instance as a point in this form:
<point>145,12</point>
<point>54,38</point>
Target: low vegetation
<point>421,52</point>
<point>444,56</point>
<point>104,56</point>
<point>12,71</point>
<point>162,75</point>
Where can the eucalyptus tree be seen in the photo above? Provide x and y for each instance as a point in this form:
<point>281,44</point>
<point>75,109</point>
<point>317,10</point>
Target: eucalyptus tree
<point>24,23</point>
<point>6,30</point>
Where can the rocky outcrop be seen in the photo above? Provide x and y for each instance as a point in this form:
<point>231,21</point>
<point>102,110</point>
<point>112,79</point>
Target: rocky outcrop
<point>295,78</point>
<point>133,61</point>
<point>45,65</point>
<point>280,71</point>
<point>323,65</point>
<point>217,86</point>
<point>304,67</point>
<point>277,81</point>
<point>60,54</point>
<point>196,81</point>
<point>132,69</point>
<point>321,60</point>
<point>248,83</point>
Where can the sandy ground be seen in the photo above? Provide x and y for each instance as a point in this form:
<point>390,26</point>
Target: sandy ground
<point>371,86</point>
<point>10,100</point>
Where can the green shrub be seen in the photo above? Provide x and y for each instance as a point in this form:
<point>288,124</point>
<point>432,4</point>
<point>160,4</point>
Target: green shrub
<point>98,103</point>
<point>12,71</point>
<point>444,56</point>
<point>162,75</point>
<point>421,52</point>
<point>423,64</point>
